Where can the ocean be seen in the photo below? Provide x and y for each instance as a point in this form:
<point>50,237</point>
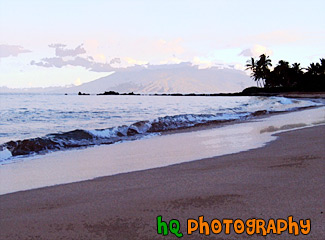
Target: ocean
<point>34,124</point>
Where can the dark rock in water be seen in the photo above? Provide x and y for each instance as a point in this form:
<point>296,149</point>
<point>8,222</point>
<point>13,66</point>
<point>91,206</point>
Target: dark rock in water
<point>132,132</point>
<point>82,94</point>
<point>259,113</point>
<point>119,134</point>
<point>32,145</point>
<point>109,93</point>
<point>75,135</point>
<point>158,126</point>
<point>76,138</point>
<point>11,144</point>
<point>131,93</point>
<point>140,124</point>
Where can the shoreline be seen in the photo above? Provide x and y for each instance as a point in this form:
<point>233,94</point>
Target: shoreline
<point>78,165</point>
<point>260,92</point>
<point>80,137</point>
<point>283,178</point>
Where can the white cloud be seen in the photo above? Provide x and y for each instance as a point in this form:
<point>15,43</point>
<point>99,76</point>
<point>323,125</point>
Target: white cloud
<point>133,61</point>
<point>100,58</point>
<point>172,60</point>
<point>77,82</point>
<point>170,47</point>
<point>256,51</point>
<point>202,63</point>
<point>241,67</point>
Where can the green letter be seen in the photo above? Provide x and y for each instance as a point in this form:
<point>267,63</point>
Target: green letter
<point>176,228</point>
<point>161,225</point>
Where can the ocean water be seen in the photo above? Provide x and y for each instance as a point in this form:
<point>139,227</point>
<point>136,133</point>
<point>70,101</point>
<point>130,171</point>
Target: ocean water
<point>39,123</point>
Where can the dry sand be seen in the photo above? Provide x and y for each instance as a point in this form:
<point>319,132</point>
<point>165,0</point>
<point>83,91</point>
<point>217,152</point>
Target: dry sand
<point>284,178</point>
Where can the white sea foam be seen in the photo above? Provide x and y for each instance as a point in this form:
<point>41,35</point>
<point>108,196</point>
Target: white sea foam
<point>77,165</point>
<point>5,154</point>
<point>111,119</point>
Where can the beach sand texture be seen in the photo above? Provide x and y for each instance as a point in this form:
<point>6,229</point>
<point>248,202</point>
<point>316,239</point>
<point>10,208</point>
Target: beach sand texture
<point>283,178</point>
<point>78,165</point>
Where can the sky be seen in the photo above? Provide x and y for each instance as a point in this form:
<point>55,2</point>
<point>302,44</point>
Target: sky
<point>64,42</point>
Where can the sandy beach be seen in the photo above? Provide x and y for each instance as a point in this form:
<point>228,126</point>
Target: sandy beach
<point>142,120</point>
<point>284,178</point>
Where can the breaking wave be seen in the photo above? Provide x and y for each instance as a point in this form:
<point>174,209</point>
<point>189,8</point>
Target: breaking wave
<point>83,138</point>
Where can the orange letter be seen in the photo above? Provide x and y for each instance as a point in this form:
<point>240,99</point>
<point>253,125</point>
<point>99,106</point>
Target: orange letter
<point>205,225</point>
<point>260,224</point>
<point>227,222</point>
<point>250,223</point>
<point>271,226</point>
<point>305,228</point>
<point>217,229</point>
<point>278,225</point>
<point>293,224</point>
<point>191,229</point>
<point>239,226</point>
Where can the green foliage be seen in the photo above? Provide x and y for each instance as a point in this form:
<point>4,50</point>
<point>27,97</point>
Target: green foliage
<point>292,78</point>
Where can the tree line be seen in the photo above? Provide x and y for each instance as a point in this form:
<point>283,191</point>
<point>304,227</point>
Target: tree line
<point>287,77</point>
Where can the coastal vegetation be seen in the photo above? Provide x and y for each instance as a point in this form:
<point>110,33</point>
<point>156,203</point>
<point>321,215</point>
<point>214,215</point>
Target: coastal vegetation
<point>285,77</point>
<point>117,93</point>
<point>270,79</point>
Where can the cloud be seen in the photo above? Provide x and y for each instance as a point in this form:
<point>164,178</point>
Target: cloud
<point>135,62</point>
<point>61,51</point>
<point>11,50</point>
<point>101,67</point>
<point>256,51</point>
<point>87,63</point>
<point>169,47</point>
<point>172,60</point>
<point>49,62</point>
<point>202,63</point>
<point>70,57</point>
<point>115,60</point>
<point>100,57</point>
<point>57,45</point>
<point>77,82</point>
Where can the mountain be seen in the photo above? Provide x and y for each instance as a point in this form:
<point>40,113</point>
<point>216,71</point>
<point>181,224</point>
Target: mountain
<point>169,78</point>
<point>176,78</point>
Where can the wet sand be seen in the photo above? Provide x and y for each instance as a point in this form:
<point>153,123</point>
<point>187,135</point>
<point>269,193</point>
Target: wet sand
<point>64,167</point>
<point>286,177</point>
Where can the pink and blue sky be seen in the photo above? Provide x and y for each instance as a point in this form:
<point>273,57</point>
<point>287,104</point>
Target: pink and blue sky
<point>63,42</point>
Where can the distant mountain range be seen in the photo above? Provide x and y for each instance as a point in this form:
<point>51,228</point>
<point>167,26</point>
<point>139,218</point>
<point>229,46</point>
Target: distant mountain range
<point>176,78</point>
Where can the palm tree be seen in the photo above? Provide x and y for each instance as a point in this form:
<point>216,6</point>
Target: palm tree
<point>322,66</point>
<point>315,76</point>
<point>313,69</point>
<point>251,65</point>
<point>262,68</point>
<point>296,68</point>
<point>318,68</point>
<point>285,77</point>
<point>282,73</point>
<point>296,75</point>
